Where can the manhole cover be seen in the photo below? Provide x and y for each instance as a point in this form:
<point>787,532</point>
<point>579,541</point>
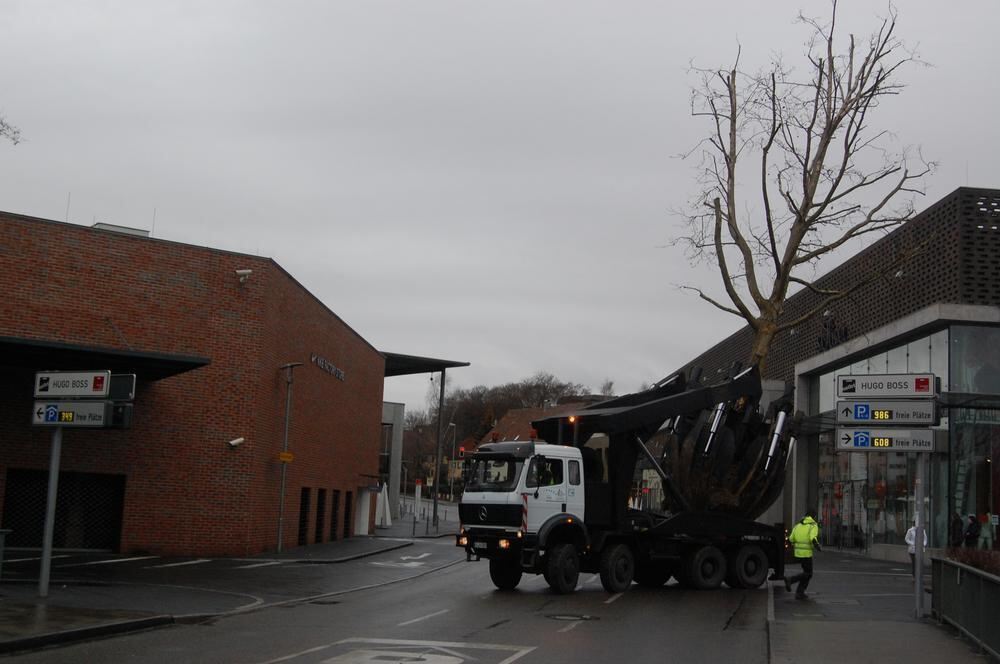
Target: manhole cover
<point>571,617</point>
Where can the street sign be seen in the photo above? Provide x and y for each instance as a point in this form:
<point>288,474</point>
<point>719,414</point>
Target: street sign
<point>286,457</point>
<point>887,385</point>
<point>922,411</point>
<point>72,384</point>
<point>72,413</point>
<point>884,440</point>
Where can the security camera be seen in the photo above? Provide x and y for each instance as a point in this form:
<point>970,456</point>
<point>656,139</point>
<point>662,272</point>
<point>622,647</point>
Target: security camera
<point>236,442</point>
<point>243,275</point>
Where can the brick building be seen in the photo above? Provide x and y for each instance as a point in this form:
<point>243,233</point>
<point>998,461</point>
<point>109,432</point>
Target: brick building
<point>937,313</point>
<point>206,344</point>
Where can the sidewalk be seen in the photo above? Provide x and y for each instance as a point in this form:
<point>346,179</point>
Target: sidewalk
<point>859,610</point>
<point>99,600</point>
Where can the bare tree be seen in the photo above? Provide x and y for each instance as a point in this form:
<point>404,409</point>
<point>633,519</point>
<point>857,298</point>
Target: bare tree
<point>823,176</point>
<point>9,131</point>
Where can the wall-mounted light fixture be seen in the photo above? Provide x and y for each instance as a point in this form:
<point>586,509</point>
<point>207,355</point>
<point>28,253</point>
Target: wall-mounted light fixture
<point>243,275</point>
<point>236,442</point>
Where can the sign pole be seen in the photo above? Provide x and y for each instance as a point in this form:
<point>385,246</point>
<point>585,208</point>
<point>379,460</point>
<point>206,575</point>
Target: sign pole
<point>50,513</point>
<point>918,544</point>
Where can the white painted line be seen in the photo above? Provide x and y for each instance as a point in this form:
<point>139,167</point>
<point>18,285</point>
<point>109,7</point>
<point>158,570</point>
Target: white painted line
<point>422,555</point>
<point>296,654</point>
<point>24,560</point>
<point>186,562</point>
<point>885,595</point>
<point>613,598</point>
<point>267,564</point>
<point>570,626</point>
<point>421,618</point>
<point>111,561</point>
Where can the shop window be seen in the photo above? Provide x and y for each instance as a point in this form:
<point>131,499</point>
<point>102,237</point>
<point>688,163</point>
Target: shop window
<point>940,355</point>
<point>919,356</point>
<point>895,361</point>
<point>975,360</point>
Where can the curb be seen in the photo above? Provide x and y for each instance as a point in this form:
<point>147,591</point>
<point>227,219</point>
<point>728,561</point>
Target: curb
<point>83,633</point>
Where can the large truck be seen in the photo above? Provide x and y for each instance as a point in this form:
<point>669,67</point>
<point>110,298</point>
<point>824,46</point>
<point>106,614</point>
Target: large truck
<point>572,498</point>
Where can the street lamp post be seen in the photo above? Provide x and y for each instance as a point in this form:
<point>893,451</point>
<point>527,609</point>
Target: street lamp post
<point>284,448</point>
<point>451,462</point>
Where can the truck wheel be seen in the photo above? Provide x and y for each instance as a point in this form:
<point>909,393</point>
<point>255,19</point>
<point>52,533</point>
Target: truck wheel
<point>505,573</point>
<point>563,568</point>
<point>617,568</point>
<point>651,575</point>
<point>748,568</point>
<point>705,568</point>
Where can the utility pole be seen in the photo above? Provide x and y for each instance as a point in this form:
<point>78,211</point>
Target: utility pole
<point>437,456</point>
<point>284,448</point>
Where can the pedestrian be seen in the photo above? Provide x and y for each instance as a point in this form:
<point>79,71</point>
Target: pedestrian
<point>911,546</point>
<point>957,534</point>
<point>971,532</point>
<point>804,538</point>
<point>986,532</point>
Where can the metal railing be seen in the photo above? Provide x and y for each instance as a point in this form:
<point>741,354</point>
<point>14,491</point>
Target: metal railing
<point>969,599</point>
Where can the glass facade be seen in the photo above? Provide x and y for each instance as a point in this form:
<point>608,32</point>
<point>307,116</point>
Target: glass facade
<point>868,498</point>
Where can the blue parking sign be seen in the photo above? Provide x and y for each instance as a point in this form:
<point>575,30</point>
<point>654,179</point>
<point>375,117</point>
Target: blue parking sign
<point>862,411</point>
<point>51,413</point>
<point>862,439</point>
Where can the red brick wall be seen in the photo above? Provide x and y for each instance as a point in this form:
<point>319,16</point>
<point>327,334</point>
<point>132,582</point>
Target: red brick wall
<point>187,491</point>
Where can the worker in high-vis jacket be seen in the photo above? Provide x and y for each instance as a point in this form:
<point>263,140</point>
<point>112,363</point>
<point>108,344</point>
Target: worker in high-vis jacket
<point>804,538</point>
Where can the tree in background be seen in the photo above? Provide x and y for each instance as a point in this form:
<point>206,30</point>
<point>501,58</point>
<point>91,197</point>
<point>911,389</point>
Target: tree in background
<point>9,131</point>
<point>793,170</point>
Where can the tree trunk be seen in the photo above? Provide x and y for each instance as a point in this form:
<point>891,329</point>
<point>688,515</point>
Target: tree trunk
<point>762,345</point>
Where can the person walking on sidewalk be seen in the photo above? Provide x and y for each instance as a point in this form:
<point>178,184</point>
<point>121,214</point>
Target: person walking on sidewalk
<point>911,546</point>
<point>804,538</point>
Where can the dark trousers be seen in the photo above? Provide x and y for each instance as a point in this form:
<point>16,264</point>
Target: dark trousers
<point>803,578</point>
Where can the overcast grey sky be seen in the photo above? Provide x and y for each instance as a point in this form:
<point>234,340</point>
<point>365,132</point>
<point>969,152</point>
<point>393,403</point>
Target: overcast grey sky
<point>480,181</point>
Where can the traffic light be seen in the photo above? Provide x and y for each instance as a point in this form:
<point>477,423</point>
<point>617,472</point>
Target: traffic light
<point>461,452</point>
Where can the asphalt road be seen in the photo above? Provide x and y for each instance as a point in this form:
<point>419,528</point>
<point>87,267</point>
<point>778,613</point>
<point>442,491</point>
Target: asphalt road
<point>362,612</point>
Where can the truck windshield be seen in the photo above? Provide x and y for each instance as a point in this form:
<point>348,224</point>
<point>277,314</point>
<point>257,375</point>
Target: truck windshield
<point>495,474</point>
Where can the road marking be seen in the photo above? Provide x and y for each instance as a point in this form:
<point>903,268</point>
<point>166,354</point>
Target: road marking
<point>24,560</point>
<point>427,617</point>
<point>297,654</point>
<point>267,564</point>
<point>182,564</point>
<point>422,555</point>
<point>570,626</point>
<point>110,562</point>
<point>613,598</point>
<point>409,565</point>
<point>886,595</point>
<point>444,646</point>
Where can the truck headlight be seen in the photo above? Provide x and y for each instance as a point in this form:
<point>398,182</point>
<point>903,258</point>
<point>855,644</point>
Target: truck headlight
<point>504,544</point>
<point>463,540</point>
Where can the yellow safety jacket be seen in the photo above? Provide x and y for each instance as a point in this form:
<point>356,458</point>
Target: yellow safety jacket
<point>802,536</point>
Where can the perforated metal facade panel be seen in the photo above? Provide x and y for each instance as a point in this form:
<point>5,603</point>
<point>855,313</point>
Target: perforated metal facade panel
<point>958,263</point>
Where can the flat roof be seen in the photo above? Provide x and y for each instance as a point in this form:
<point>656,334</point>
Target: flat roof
<point>43,355</point>
<point>406,365</point>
